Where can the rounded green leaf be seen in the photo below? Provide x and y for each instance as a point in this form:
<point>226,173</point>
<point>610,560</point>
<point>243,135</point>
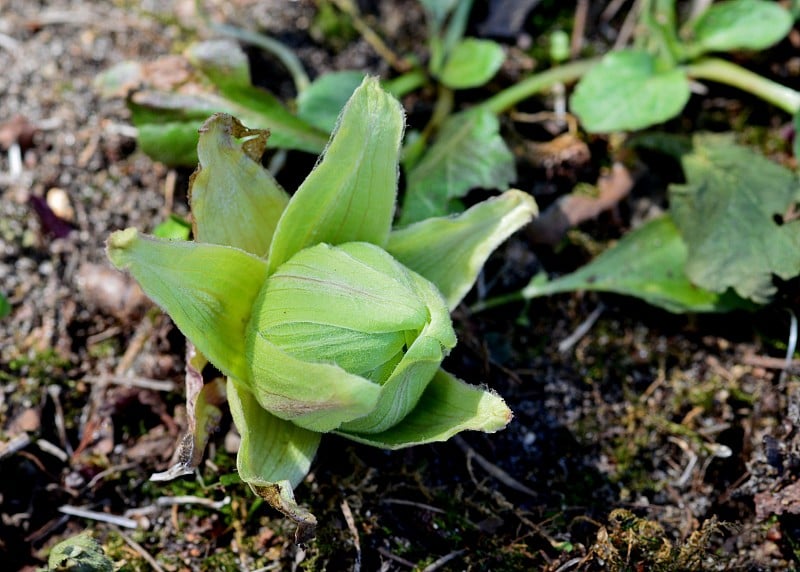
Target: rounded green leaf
<point>739,25</point>
<point>626,91</point>
<point>472,63</point>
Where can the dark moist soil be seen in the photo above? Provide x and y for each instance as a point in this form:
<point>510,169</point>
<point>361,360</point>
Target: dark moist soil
<point>654,442</point>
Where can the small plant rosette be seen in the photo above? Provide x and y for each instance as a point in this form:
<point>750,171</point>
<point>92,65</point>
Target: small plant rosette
<point>322,317</point>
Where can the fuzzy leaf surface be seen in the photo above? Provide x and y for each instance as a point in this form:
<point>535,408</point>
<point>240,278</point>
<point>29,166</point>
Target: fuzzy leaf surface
<point>271,449</point>
<point>450,251</point>
<point>234,200</point>
<point>407,382</point>
<point>627,91</point>
<point>468,153</point>
<point>448,406</point>
<point>350,195</point>
<point>472,63</point>
<point>729,212</point>
<point>207,289</point>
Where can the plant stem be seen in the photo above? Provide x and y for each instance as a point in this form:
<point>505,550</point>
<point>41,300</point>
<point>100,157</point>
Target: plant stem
<point>731,74</point>
<point>532,85</point>
<point>497,301</point>
<point>286,56</point>
<point>406,83</point>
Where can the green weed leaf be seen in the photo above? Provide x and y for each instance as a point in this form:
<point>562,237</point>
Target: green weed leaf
<point>730,213</point>
<point>739,25</point>
<point>468,153</point>
<point>79,553</point>
<point>627,91</point>
<point>647,263</point>
<point>450,251</point>
<point>167,122</point>
<point>350,195</point>
<point>323,100</point>
<point>471,63</point>
<point>174,228</point>
<point>447,407</point>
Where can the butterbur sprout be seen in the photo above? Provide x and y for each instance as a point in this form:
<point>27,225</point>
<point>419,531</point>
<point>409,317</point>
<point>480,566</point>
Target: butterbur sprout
<point>321,317</point>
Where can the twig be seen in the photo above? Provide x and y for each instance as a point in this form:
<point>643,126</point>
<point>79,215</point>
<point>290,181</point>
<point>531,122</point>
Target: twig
<point>492,469</point>
<point>371,37</point>
<point>414,504</point>
<point>569,564</point>
<point>54,391</point>
<point>791,346</point>
<point>99,516</point>
<point>567,343</point>
<point>578,28</point>
<point>628,27</point>
<point>170,501</point>
<point>141,382</point>
<point>396,558</point>
<point>16,444</point>
<point>141,551</point>
<point>769,362</point>
<point>351,525</point>
<point>140,337</point>
<point>103,474</point>
<point>438,563</point>
<point>48,447</point>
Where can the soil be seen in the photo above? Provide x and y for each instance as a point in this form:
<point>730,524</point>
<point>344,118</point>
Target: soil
<point>653,442</point>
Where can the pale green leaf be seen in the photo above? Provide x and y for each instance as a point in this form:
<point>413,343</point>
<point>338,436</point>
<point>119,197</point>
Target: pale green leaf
<point>350,194</point>
<point>406,384</point>
<point>271,449</point>
<point>447,407</point>
<point>208,290</point>
<point>323,100</point>
<point>235,201</point>
<point>627,91</point>
<point>316,396</point>
<point>274,457</point>
<point>739,25</point>
<point>352,305</point>
<point>728,213</point>
<point>472,63</point>
<point>468,153</point>
<point>451,251</point>
<point>647,263</point>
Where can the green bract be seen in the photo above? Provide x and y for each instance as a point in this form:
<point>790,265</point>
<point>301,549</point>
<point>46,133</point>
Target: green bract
<point>322,318</point>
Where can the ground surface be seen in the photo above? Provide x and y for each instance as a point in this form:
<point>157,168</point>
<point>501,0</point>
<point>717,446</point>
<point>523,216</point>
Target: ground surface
<point>653,442</point>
